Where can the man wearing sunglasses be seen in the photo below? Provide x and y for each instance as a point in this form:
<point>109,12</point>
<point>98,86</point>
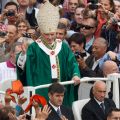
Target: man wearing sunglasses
<point>88,28</point>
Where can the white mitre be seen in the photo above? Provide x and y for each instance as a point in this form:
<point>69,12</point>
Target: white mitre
<point>48,17</point>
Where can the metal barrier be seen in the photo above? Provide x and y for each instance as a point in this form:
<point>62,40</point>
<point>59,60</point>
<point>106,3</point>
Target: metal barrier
<point>2,92</point>
<point>111,78</point>
<point>29,91</point>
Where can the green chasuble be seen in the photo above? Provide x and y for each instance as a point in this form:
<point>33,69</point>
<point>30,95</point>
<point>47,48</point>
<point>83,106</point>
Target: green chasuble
<point>37,70</point>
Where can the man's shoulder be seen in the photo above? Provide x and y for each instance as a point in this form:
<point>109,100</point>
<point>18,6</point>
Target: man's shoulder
<point>110,101</point>
<point>66,108</point>
<point>90,104</point>
<point>33,45</point>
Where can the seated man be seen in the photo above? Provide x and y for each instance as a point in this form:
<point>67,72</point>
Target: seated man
<point>98,106</point>
<point>56,95</point>
<point>114,114</point>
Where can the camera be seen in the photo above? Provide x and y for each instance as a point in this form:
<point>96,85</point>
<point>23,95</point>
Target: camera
<point>28,117</point>
<point>79,55</point>
<point>10,13</point>
<point>26,35</point>
<point>93,6</point>
<point>92,1</point>
<point>2,34</point>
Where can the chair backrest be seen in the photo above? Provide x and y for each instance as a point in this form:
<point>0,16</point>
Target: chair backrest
<point>77,108</point>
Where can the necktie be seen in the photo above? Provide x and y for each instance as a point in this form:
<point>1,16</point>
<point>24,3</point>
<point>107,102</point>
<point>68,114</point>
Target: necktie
<point>102,107</point>
<point>58,112</point>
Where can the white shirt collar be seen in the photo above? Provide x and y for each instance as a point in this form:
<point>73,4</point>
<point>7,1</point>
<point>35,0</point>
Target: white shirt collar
<point>98,101</point>
<point>55,108</point>
<point>96,62</point>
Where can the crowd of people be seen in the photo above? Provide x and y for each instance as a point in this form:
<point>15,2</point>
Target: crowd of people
<point>51,41</point>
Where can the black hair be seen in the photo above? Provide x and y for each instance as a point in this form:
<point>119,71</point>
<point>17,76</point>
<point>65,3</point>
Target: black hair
<point>56,88</point>
<point>80,6</point>
<point>62,26</point>
<point>112,110</point>
<point>78,38</point>
<point>3,115</point>
<point>11,3</point>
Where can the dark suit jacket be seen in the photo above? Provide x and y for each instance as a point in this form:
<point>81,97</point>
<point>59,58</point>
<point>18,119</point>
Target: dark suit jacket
<point>93,111</point>
<point>67,112</point>
<point>88,72</point>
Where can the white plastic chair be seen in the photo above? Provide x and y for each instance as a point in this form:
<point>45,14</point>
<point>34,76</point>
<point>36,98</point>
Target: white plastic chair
<point>77,108</point>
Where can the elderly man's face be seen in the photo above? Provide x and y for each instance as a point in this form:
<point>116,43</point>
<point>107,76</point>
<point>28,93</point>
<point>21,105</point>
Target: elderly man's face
<point>99,92</point>
<point>49,37</point>
<point>98,49</point>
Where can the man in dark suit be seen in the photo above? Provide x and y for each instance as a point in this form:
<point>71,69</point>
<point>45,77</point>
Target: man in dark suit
<point>98,106</point>
<point>58,111</point>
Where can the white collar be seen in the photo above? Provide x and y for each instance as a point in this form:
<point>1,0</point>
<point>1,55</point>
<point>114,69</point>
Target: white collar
<point>98,101</point>
<point>55,108</point>
<point>53,56</point>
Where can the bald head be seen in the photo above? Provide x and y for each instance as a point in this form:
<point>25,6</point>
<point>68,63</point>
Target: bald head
<point>98,84</point>
<point>99,90</point>
<point>110,67</point>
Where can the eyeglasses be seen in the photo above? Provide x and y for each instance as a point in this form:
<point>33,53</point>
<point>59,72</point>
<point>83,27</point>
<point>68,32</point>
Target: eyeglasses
<point>86,26</point>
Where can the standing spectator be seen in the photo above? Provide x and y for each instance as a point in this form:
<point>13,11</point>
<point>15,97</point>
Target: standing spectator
<point>105,11</point>
<point>88,28</point>
<point>28,10</point>
<point>10,13</point>
<point>72,4</point>
<point>22,26</point>
<point>98,106</point>
<point>61,32</point>
<point>78,16</point>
